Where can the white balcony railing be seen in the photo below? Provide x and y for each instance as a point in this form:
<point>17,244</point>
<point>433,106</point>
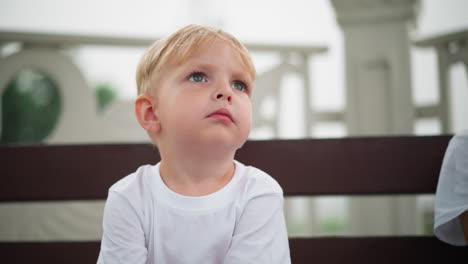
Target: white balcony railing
<point>41,51</point>
<point>451,48</point>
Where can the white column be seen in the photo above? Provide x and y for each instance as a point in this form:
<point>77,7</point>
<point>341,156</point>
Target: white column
<point>379,99</point>
<point>378,81</point>
<point>443,58</point>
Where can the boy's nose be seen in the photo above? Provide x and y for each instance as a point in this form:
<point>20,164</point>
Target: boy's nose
<point>224,92</point>
<point>221,96</point>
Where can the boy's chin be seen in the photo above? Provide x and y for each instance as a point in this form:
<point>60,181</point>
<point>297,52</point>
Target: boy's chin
<point>227,144</point>
<point>223,142</point>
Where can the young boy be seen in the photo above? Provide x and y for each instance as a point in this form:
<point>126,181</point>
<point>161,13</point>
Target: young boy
<point>198,205</point>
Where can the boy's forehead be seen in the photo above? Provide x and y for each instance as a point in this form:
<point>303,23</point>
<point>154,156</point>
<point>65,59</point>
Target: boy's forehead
<point>200,54</point>
<point>197,50</point>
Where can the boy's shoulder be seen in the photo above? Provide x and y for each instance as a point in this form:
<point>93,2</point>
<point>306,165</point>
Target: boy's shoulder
<point>134,182</point>
<point>258,182</point>
<point>248,180</point>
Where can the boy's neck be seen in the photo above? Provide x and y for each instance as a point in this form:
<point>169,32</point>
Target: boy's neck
<point>196,175</point>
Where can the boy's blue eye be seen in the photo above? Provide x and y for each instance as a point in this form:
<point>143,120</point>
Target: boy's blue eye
<point>239,86</point>
<point>197,77</point>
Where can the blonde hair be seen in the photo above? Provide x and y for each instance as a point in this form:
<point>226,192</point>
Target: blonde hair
<point>178,47</point>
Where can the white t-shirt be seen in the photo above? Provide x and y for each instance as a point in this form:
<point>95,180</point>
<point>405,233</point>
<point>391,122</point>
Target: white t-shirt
<point>145,222</point>
<point>452,191</point>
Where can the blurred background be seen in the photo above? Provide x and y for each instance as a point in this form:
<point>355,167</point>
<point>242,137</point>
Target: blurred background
<point>326,68</point>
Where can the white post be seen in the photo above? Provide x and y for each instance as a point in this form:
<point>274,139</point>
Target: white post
<point>379,98</point>
<point>444,87</point>
<point>378,73</point>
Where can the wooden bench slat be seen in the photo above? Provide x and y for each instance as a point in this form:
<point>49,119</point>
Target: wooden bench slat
<point>329,250</point>
<point>49,252</point>
<point>382,250</point>
<point>68,172</point>
<point>353,166</point>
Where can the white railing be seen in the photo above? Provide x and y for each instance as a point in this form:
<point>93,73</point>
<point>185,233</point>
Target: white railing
<point>41,51</point>
<point>451,48</point>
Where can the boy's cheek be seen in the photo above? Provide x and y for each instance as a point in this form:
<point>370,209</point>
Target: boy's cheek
<point>248,122</point>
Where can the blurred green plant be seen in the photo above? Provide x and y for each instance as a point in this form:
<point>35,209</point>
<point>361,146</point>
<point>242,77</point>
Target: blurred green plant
<point>105,95</point>
<point>332,225</point>
<point>296,227</point>
<point>31,106</point>
<point>428,223</point>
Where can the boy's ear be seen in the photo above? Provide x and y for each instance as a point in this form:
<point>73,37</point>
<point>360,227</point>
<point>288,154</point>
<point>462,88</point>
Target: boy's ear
<point>145,111</point>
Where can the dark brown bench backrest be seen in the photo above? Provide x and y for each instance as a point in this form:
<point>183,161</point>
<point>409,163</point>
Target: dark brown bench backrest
<point>350,166</point>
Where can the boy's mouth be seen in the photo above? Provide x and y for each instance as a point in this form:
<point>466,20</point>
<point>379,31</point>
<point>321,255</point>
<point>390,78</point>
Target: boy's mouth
<point>222,115</point>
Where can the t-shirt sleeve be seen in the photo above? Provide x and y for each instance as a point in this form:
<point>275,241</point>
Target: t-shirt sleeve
<point>260,235</point>
<point>123,239</point>
<point>452,191</point>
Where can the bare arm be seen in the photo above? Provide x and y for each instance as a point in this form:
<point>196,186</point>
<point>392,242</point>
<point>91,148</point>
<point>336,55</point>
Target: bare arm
<point>464,223</point>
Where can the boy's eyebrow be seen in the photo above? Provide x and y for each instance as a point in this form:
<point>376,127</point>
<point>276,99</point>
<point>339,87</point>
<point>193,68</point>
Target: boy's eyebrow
<point>243,73</point>
<point>203,65</point>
